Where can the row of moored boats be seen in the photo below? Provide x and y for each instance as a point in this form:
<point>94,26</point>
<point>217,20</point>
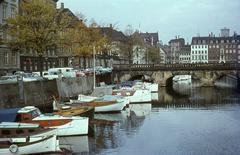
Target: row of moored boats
<point>26,130</point>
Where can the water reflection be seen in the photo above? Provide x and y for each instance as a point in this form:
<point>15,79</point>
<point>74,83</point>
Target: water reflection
<point>76,144</point>
<point>186,119</point>
<point>185,96</point>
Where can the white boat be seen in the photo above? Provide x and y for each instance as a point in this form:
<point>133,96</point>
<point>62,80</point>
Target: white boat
<point>105,104</point>
<point>24,132</point>
<point>179,78</point>
<point>48,144</point>
<point>135,96</point>
<point>85,98</point>
<point>152,87</point>
<point>66,126</point>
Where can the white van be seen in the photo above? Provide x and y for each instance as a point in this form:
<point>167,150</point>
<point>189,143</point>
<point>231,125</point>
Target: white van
<point>54,73</point>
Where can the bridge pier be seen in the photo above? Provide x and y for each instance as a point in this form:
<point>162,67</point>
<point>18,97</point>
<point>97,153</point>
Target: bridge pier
<point>163,73</point>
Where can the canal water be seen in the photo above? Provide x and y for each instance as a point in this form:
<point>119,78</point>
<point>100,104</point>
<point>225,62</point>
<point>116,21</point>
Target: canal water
<point>185,120</point>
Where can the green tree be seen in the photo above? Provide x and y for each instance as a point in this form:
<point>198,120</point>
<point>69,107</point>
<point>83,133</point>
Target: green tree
<point>153,55</point>
<point>37,28</point>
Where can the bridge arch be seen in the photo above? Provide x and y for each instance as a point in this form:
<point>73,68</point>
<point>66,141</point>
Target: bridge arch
<point>163,73</point>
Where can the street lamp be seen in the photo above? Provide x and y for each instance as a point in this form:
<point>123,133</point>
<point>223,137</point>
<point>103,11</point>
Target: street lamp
<point>94,63</point>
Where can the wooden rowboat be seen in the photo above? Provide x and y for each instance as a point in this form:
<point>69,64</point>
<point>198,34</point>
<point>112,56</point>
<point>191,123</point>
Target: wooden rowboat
<point>84,111</point>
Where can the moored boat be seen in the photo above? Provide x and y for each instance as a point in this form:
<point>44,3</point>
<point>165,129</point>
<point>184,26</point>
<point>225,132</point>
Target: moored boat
<point>45,145</point>
<point>83,111</point>
<point>135,96</point>
<point>23,132</point>
<point>103,105</point>
<point>66,126</point>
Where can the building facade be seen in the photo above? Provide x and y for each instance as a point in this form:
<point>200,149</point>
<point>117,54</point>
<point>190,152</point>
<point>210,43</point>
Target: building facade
<point>199,50</point>
<point>185,54</point>
<point>175,48</point>
<point>212,49</point>
<point>9,59</point>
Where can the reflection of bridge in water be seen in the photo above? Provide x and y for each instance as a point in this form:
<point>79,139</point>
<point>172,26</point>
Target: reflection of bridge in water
<point>201,97</point>
<point>163,73</point>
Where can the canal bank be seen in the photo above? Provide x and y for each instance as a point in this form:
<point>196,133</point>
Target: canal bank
<point>40,93</point>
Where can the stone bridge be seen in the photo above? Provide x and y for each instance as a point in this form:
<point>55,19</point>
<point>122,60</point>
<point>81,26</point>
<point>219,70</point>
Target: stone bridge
<point>163,73</point>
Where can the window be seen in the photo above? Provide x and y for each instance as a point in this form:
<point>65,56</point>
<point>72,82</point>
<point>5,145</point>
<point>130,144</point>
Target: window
<point>6,132</point>
<point>31,130</point>
<point>19,132</point>
<point>12,12</point>
<point>4,11</point>
<point>6,59</point>
<point>234,51</point>
<point>205,57</point>
<point>230,51</point>
<point>14,58</point>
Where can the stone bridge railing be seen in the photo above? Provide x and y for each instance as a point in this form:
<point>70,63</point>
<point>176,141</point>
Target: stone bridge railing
<point>176,67</point>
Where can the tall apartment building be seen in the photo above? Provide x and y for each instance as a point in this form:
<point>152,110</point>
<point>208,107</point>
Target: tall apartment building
<point>185,54</point>
<point>212,49</point>
<point>199,50</point>
<point>175,48</point>
<point>9,60</point>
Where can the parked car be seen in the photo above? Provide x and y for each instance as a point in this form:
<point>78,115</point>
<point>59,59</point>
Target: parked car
<point>8,79</point>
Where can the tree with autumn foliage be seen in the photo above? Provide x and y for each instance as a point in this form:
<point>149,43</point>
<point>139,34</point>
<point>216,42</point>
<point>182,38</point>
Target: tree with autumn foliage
<point>37,28</point>
<point>84,39</point>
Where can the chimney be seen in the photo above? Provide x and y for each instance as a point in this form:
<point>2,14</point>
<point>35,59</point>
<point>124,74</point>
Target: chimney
<point>62,5</point>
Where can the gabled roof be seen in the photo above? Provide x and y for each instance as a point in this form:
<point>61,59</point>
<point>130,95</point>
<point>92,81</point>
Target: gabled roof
<point>68,12</point>
<point>150,38</point>
<point>112,34</point>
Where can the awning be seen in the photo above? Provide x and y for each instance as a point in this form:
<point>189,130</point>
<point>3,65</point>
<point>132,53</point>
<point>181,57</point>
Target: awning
<point>8,115</point>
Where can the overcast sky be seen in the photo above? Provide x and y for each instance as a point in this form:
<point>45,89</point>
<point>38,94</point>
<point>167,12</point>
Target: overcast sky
<point>169,18</point>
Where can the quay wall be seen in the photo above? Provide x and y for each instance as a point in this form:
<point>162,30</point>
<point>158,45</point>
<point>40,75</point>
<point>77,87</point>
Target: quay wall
<point>40,93</point>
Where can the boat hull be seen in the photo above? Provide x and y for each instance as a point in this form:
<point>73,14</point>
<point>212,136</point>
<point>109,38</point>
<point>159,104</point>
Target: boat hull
<point>73,128</point>
<point>50,144</point>
<point>116,107</point>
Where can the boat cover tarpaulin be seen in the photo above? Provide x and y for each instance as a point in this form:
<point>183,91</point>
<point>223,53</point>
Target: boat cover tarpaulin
<point>8,115</point>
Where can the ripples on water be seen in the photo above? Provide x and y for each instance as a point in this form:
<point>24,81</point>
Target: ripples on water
<point>184,121</point>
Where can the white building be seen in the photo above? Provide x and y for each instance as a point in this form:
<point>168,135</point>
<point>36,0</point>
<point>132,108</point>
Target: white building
<point>139,55</point>
<point>199,50</point>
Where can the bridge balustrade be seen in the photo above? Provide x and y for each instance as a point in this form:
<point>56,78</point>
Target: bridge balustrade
<point>170,67</point>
